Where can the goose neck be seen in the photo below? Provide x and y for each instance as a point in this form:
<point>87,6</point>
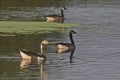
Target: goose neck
<point>41,48</point>
<point>71,38</point>
<point>62,13</point>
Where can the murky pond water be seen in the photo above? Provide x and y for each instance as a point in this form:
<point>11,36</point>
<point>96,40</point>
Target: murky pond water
<point>97,54</point>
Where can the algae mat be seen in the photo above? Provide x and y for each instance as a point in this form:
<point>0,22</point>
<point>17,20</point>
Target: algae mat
<point>22,27</point>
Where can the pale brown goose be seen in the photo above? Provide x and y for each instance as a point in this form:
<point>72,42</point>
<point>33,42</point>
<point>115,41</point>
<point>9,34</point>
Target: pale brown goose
<point>28,55</point>
<point>62,47</point>
<point>55,17</point>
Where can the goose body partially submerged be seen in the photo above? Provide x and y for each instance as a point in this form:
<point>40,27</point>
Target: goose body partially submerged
<point>28,55</point>
<point>63,47</point>
<point>55,17</point>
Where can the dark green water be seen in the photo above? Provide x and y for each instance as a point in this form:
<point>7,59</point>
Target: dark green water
<point>97,54</point>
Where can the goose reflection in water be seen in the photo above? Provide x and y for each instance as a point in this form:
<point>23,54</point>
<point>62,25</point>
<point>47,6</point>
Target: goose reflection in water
<point>43,71</point>
<point>25,64</point>
<point>71,56</point>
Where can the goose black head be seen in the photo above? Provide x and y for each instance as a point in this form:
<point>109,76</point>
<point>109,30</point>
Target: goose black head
<point>63,8</point>
<point>45,42</point>
<point>72,32</point>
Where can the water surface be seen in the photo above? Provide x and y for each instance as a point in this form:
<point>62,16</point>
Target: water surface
<point>97,54</point>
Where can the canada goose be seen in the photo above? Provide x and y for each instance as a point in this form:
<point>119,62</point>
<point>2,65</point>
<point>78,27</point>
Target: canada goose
<point>55,17</point>
<point>28,55</point>
<point>64,47</point>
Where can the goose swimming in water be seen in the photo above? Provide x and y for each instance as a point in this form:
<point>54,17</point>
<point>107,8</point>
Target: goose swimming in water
<point>64,47</point>
<point>55,17</point>
<point>28,55</point>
